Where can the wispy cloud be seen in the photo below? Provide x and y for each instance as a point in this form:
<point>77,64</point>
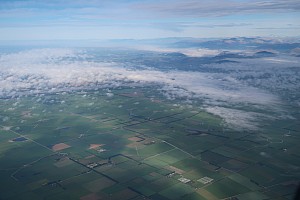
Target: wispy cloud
<point>186,18</point>
<point>147,9</point>
<point>238,119</point>
<point>205,8</point>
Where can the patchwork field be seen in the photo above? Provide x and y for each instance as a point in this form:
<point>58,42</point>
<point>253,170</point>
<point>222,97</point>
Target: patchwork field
<point>138,145</point>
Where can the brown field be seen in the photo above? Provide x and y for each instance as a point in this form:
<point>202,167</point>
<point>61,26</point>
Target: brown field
<point>88,159</point>
<point>95,146</point>
<point>135,145</point>
<point>206,194</point>
<point>176,170</point>
<point>60,146</point>
<point>135,139</point>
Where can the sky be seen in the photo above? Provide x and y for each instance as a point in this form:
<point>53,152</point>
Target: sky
<point>144,19</point>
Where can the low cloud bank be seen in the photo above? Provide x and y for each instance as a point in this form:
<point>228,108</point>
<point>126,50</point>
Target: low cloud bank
<point>52,70</point>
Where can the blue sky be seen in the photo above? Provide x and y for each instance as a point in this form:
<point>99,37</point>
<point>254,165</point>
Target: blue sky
<point>139,19</point>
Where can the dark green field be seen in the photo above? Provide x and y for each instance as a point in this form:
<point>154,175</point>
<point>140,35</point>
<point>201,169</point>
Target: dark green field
<point>137,145</point>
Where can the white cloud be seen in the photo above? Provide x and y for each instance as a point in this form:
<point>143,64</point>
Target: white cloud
<point>191,52</point>
<point>205,8</point>
<point>46,69</point>
<point>237,119</point>
<point>52,70</point>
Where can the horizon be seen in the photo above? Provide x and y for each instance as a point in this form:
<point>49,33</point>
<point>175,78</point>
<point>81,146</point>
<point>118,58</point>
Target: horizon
<point>133,43</point>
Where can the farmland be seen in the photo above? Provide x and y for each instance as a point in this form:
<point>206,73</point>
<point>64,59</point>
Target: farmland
<point>133,143</point>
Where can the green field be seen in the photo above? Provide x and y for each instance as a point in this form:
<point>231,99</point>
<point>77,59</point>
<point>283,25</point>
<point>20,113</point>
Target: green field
<point>86,145</point>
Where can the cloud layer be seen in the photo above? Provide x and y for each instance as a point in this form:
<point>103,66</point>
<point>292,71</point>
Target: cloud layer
<point>53,70</point>
<point>58,67</point>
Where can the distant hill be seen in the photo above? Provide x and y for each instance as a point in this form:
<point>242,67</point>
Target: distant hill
<point>295,52</point>
<point>239,43</point>
<point>264,54</point>
<point>226,61</point>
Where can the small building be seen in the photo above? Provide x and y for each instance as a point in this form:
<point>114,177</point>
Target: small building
<point>205,180</point>
<point>184,180</point>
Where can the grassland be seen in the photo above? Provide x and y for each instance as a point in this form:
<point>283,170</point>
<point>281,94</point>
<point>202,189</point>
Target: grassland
<point>137,145</point>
